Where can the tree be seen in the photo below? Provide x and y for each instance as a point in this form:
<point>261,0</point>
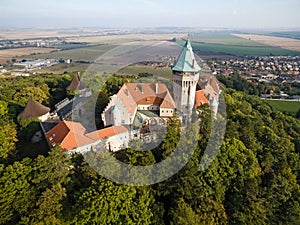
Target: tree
<point>298,114</point>
<point>17,195</point>
<point>108,203</point>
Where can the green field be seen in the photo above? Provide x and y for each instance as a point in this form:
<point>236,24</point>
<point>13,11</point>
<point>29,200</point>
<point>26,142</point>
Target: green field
<point>89,53</point>
<point>290,107</point>
<point>156,71</point>
<point>90,48</point>
<point>223,42</point>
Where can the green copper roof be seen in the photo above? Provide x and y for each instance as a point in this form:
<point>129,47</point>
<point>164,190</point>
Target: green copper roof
<point>186,61</point>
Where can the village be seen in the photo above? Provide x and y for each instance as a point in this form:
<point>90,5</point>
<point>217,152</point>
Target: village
<point>264,69</point>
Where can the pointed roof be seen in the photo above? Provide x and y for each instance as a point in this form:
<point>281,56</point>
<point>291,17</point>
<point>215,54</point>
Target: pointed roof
<point>33,109</point>
<point>186,61</point>
<point>76,84</point>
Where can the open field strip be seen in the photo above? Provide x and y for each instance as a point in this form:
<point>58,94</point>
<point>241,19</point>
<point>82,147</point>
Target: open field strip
<point>288,106</point>
<point>286,43</point>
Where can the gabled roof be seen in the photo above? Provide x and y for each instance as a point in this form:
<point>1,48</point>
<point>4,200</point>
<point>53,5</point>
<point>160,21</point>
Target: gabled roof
<point>168,101</point>
<point>132,94</point>
<point>200,98</point>
<point>33,109</point>
<point>106,132</point>
<point>76,84</point>
<point>186,61</point>
<point>210,86</point>
<point>69,135</point>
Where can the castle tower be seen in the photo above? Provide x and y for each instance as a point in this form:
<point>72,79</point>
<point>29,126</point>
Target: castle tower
<point>185,79</point>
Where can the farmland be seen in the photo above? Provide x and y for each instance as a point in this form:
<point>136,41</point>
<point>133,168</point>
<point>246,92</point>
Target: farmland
<point>8,54</point>
<point>282,42</point>
<point>223,42</point>
<point>290,107</point>
<point>156,71</point>
<point>89,53</point>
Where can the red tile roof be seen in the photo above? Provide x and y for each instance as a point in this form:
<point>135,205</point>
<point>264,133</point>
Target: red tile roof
<point>132,94</point>
<point>200,98</point>
<point>76,84</point>
<point>106,132</point>
<point>69,135</point>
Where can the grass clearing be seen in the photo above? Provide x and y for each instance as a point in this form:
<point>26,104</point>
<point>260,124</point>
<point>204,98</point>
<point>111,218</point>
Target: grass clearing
<point>290,107</point>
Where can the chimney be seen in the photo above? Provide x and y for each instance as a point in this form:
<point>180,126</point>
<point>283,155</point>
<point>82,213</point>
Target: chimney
<point>156,88</point>
<point>126,91</point>
<point>142,88</point>
<point>79,77</point>
<point>193,65</point>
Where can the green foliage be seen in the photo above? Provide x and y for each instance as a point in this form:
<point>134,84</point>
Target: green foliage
<point>254,179</point>
<point>108,203</point>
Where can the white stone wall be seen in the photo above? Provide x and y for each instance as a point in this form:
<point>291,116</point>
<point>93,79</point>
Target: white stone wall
<point>166,112</point>
<point>43,118</point>
<point>118,142</point>
<point>148,107</point>
<point>184,90</point>
<point>116,113</point>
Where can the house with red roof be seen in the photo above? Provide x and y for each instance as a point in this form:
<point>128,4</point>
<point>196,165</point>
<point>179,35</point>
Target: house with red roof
<point>134,97</point>
<point>73,137</point>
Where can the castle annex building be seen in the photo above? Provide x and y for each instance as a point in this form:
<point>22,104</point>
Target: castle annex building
<point>133,97</point>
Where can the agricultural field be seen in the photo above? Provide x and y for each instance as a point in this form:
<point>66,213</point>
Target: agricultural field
<point>8,54</point>
<point>156,71</point>
<point>226,43</point>
<point>116,39</point>
<point>290,107</point>
<point>282,42</point>
<point>89,53</point>
<point>64,68</point>
<point>287,34</point>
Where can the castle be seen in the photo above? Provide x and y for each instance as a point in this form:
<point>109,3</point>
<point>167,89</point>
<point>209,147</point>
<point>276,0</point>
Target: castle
<point>189,91</point>
<point>129,113</point>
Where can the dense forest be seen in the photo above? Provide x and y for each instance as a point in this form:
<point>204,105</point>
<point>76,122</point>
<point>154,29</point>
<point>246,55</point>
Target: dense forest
<point>253,180</point>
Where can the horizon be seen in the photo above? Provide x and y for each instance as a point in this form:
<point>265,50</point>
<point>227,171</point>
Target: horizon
<point>216,14</point>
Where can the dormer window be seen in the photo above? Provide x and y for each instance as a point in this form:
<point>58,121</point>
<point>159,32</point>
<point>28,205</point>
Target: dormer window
<point>147,99</point>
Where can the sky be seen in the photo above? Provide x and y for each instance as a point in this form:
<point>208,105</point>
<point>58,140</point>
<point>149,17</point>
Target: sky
<point>151,13</point>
